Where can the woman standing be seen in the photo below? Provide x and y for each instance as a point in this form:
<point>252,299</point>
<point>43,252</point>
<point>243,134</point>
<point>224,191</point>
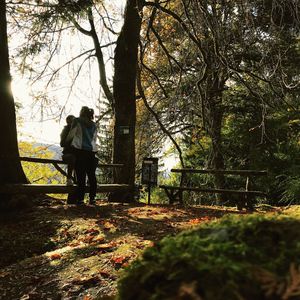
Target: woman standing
<point>84,144</point>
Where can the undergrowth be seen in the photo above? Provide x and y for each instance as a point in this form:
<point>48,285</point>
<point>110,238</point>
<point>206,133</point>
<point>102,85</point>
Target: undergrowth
<point>253,257</point>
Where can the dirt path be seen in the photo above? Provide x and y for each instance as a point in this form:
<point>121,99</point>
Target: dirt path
<point>55,251</point>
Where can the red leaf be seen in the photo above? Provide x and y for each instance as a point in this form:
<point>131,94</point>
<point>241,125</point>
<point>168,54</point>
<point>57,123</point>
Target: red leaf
<point>55,256</point>
<point>199,220</point>
<point>119,260</point>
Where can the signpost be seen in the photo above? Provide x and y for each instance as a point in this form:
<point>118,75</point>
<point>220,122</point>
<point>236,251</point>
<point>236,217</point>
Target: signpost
<point>149,173</point>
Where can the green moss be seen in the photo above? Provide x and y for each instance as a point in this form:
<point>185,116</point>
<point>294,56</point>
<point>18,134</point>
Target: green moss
<point>218,260</point>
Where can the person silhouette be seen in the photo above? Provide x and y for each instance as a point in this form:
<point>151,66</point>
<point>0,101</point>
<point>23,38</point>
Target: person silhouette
<point>85,148</point>
<point>68,151</point>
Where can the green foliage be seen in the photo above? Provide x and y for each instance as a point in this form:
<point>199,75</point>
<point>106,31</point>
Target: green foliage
<point>257,107</point>
<point>220,260</point>
<point>255,139</point>
<point>74,7</point>
<point>291,187</point>
<point>157,196</point>
<point>35,172</point>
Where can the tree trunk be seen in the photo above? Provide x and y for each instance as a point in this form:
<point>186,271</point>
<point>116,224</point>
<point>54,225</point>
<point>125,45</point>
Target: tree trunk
<point>217,160</point>
<point>215,111</point>
<point>10,168</point>
<point>124,91</point>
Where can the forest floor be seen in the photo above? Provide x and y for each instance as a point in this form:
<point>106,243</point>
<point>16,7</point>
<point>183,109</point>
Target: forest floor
<point>57,251</point>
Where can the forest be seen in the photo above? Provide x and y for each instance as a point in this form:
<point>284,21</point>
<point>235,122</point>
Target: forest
<point>210,85</point>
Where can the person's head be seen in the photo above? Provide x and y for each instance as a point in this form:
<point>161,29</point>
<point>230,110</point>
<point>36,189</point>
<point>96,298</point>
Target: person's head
<point>69,119</point>
<point>87,113</point>
<point>91,114</point>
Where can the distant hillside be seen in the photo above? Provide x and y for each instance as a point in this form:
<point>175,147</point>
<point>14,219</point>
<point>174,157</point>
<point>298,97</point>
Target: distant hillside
<point>56,149</point>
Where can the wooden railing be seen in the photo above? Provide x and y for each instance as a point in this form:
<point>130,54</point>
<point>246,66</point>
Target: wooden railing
<point>19,188</point>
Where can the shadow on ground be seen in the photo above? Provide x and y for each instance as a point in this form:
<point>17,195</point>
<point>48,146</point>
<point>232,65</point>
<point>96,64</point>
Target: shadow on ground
<point>56,251</point>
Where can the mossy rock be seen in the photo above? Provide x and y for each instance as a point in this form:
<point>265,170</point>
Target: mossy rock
<point>251,257</point>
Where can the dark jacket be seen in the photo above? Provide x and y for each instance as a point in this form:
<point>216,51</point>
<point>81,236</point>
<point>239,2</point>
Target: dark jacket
<point>63,139</point>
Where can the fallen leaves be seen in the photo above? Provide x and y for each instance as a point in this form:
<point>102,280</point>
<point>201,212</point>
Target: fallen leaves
<point>106,247</point>
<point>269,282</point>
<point>3,274</point>
<point>105,274</point>
<point>86,281</point>
<point>197,221</point>
<point>119,261</point>
<point>55,256</point>
<point>293,283</point>
<point>92,231</point>
<point>109,226</point>
<point>284,288</point>
<point>89,248</point>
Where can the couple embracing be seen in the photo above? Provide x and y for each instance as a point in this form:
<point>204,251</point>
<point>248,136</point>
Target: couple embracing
<point>79,141</point>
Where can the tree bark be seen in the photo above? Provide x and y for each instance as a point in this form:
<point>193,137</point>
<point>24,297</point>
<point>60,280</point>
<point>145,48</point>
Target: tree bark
<point>215,113</point>
<point>217,160</point>
<point>124,91</point>
<point>10,169</point>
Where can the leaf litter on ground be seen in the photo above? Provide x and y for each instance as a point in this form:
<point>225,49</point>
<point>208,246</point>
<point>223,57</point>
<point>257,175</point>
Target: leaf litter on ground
<point>65,252</point>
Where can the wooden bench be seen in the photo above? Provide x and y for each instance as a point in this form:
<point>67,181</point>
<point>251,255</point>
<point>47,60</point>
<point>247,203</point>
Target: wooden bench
<point>246,196</point>
<point>59,188</point>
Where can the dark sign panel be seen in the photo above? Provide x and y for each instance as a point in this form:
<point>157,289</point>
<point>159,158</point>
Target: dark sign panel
<point>150,171</point>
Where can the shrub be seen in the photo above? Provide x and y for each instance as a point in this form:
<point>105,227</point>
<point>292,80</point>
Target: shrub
<point>235,258</point>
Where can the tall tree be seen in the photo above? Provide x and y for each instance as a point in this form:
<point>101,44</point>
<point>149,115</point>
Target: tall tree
<point>124,89</point>
<point>123,97</point>
<point>10,167</point>
<point>223,43</point>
